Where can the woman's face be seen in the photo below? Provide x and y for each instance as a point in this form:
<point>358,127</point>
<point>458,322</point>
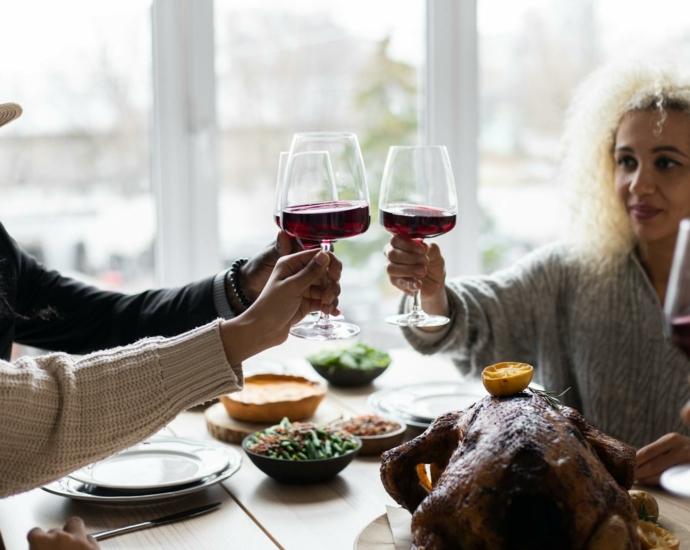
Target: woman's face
<point>653,173</point>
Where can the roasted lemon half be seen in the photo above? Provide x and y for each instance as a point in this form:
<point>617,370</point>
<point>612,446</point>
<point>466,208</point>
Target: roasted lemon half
<point>507,378</point>
<point>653,536</point>
<point>645,505</point>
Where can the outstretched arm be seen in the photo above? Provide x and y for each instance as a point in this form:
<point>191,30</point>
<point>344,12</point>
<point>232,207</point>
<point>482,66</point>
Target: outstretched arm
<point>494,317</point>
<point>59,413</point>
<point>58,313</point>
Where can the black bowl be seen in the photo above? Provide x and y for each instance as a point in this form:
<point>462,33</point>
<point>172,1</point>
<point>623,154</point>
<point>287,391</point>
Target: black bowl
<point>348,377</point>
<point>300,472</point>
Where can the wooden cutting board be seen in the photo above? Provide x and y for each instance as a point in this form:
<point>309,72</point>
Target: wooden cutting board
<point>221,426</point>
<point>377,535</point>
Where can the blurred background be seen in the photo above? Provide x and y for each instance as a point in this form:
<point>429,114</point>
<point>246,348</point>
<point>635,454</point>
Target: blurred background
<point>148,150</point>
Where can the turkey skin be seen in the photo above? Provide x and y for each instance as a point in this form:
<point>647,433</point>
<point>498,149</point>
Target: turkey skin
<point>515,473</point>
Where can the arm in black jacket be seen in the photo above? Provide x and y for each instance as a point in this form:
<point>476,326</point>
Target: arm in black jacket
<point>86,318</point>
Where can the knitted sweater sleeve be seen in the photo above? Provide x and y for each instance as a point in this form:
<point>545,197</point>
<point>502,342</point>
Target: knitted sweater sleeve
<point>498,317</point>
<point>59,413</point>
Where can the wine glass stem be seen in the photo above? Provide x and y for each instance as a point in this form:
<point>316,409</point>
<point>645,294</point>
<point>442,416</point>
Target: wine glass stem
<point>416,312</point>
<point>324,320</point>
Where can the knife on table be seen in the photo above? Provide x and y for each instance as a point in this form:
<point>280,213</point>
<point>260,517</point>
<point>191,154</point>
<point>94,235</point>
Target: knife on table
<point>155,522</point>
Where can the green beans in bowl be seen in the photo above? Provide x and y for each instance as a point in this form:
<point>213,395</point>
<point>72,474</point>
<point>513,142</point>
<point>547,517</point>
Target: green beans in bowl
<point>301,452</point>
<point>357,365</point>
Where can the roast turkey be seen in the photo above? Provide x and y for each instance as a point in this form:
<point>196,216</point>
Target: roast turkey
<point>515,472</point>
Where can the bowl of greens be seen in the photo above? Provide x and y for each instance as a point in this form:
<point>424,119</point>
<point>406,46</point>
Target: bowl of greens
<point>356,365</point>
<point>301,452</point>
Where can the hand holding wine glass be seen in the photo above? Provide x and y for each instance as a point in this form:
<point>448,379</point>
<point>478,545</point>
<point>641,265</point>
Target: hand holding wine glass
<point>324,198</point>
<point>666,459</point>
<point>417,201</point>
<point>414,266</point>
<point>295,245</point>
<point>677,302</point>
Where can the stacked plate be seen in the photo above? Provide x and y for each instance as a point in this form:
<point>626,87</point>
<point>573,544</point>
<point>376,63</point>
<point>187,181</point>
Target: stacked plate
<point>157,469</point>
<point>676,480</point>
<point>418,405</point>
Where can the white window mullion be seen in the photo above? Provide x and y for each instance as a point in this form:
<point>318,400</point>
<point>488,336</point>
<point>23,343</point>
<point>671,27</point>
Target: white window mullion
<point>452,115</point>
<point>184,141</point>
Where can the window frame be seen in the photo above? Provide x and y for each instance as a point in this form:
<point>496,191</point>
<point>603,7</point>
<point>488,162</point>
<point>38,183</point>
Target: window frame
<point>184,154</point>
<point>452,118</point>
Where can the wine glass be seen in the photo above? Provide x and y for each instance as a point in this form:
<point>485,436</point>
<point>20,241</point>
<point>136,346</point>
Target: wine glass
<point>677,328</point>
<point>324,199</point>
<point>677,302</point>
<point>418,202</point>
<point>277,206</point>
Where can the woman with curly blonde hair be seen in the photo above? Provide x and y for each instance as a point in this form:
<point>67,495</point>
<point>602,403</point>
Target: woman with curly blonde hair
<point>587,313</point>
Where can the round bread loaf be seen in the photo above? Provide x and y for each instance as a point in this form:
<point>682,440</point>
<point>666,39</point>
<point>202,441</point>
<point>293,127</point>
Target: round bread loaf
<point>271,397</point>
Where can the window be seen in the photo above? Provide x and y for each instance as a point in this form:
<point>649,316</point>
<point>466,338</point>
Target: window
<point>286,67</point>
<point>532,55</point>
<point>75,168</point>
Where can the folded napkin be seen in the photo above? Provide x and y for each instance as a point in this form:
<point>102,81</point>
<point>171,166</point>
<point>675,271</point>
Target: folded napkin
<point>400,521</point>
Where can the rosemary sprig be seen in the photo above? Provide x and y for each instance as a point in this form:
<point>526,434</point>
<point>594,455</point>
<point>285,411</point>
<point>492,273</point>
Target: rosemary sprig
<point>643,514</point>
<point>552,399</point>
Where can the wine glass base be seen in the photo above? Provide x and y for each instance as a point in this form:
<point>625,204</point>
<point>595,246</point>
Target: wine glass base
<point>407,320</point>
<point>337,331</point>
<point>314,316</point>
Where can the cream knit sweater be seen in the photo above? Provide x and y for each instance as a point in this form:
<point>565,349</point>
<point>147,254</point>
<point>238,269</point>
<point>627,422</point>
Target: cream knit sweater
<point>59,413</point>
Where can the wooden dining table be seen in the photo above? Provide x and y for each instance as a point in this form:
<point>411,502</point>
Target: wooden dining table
<point>257,512</point>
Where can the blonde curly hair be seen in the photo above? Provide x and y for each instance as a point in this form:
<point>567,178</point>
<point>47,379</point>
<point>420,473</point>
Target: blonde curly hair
<point>600,227</point>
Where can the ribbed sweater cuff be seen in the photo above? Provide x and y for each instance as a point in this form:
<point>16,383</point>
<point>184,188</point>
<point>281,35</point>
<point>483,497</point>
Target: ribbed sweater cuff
<point>220,296</point>
<point>208,374</point>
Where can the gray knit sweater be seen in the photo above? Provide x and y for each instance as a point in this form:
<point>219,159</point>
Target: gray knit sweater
<point>59,413</point>
<point>602,336</point>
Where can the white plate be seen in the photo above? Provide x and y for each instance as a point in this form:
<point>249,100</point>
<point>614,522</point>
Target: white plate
<point>156,464</point>
<point>418,405</point>
<point>398,401</point>
<point>676,480</point>
<point>71,488</point>
<point>428,407</point>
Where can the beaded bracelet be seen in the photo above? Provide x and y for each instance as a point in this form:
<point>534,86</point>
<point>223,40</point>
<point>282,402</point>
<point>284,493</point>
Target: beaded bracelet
<point>235,283</point>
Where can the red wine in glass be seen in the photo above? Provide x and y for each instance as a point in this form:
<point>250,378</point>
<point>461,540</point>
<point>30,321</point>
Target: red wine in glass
<point>326,221</point>
<point>416,222</point>
<point>304,243</point>
<point>680,333</point>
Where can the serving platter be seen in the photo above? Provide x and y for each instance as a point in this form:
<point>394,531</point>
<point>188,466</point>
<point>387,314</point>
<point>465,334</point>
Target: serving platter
<point>377,534</point>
